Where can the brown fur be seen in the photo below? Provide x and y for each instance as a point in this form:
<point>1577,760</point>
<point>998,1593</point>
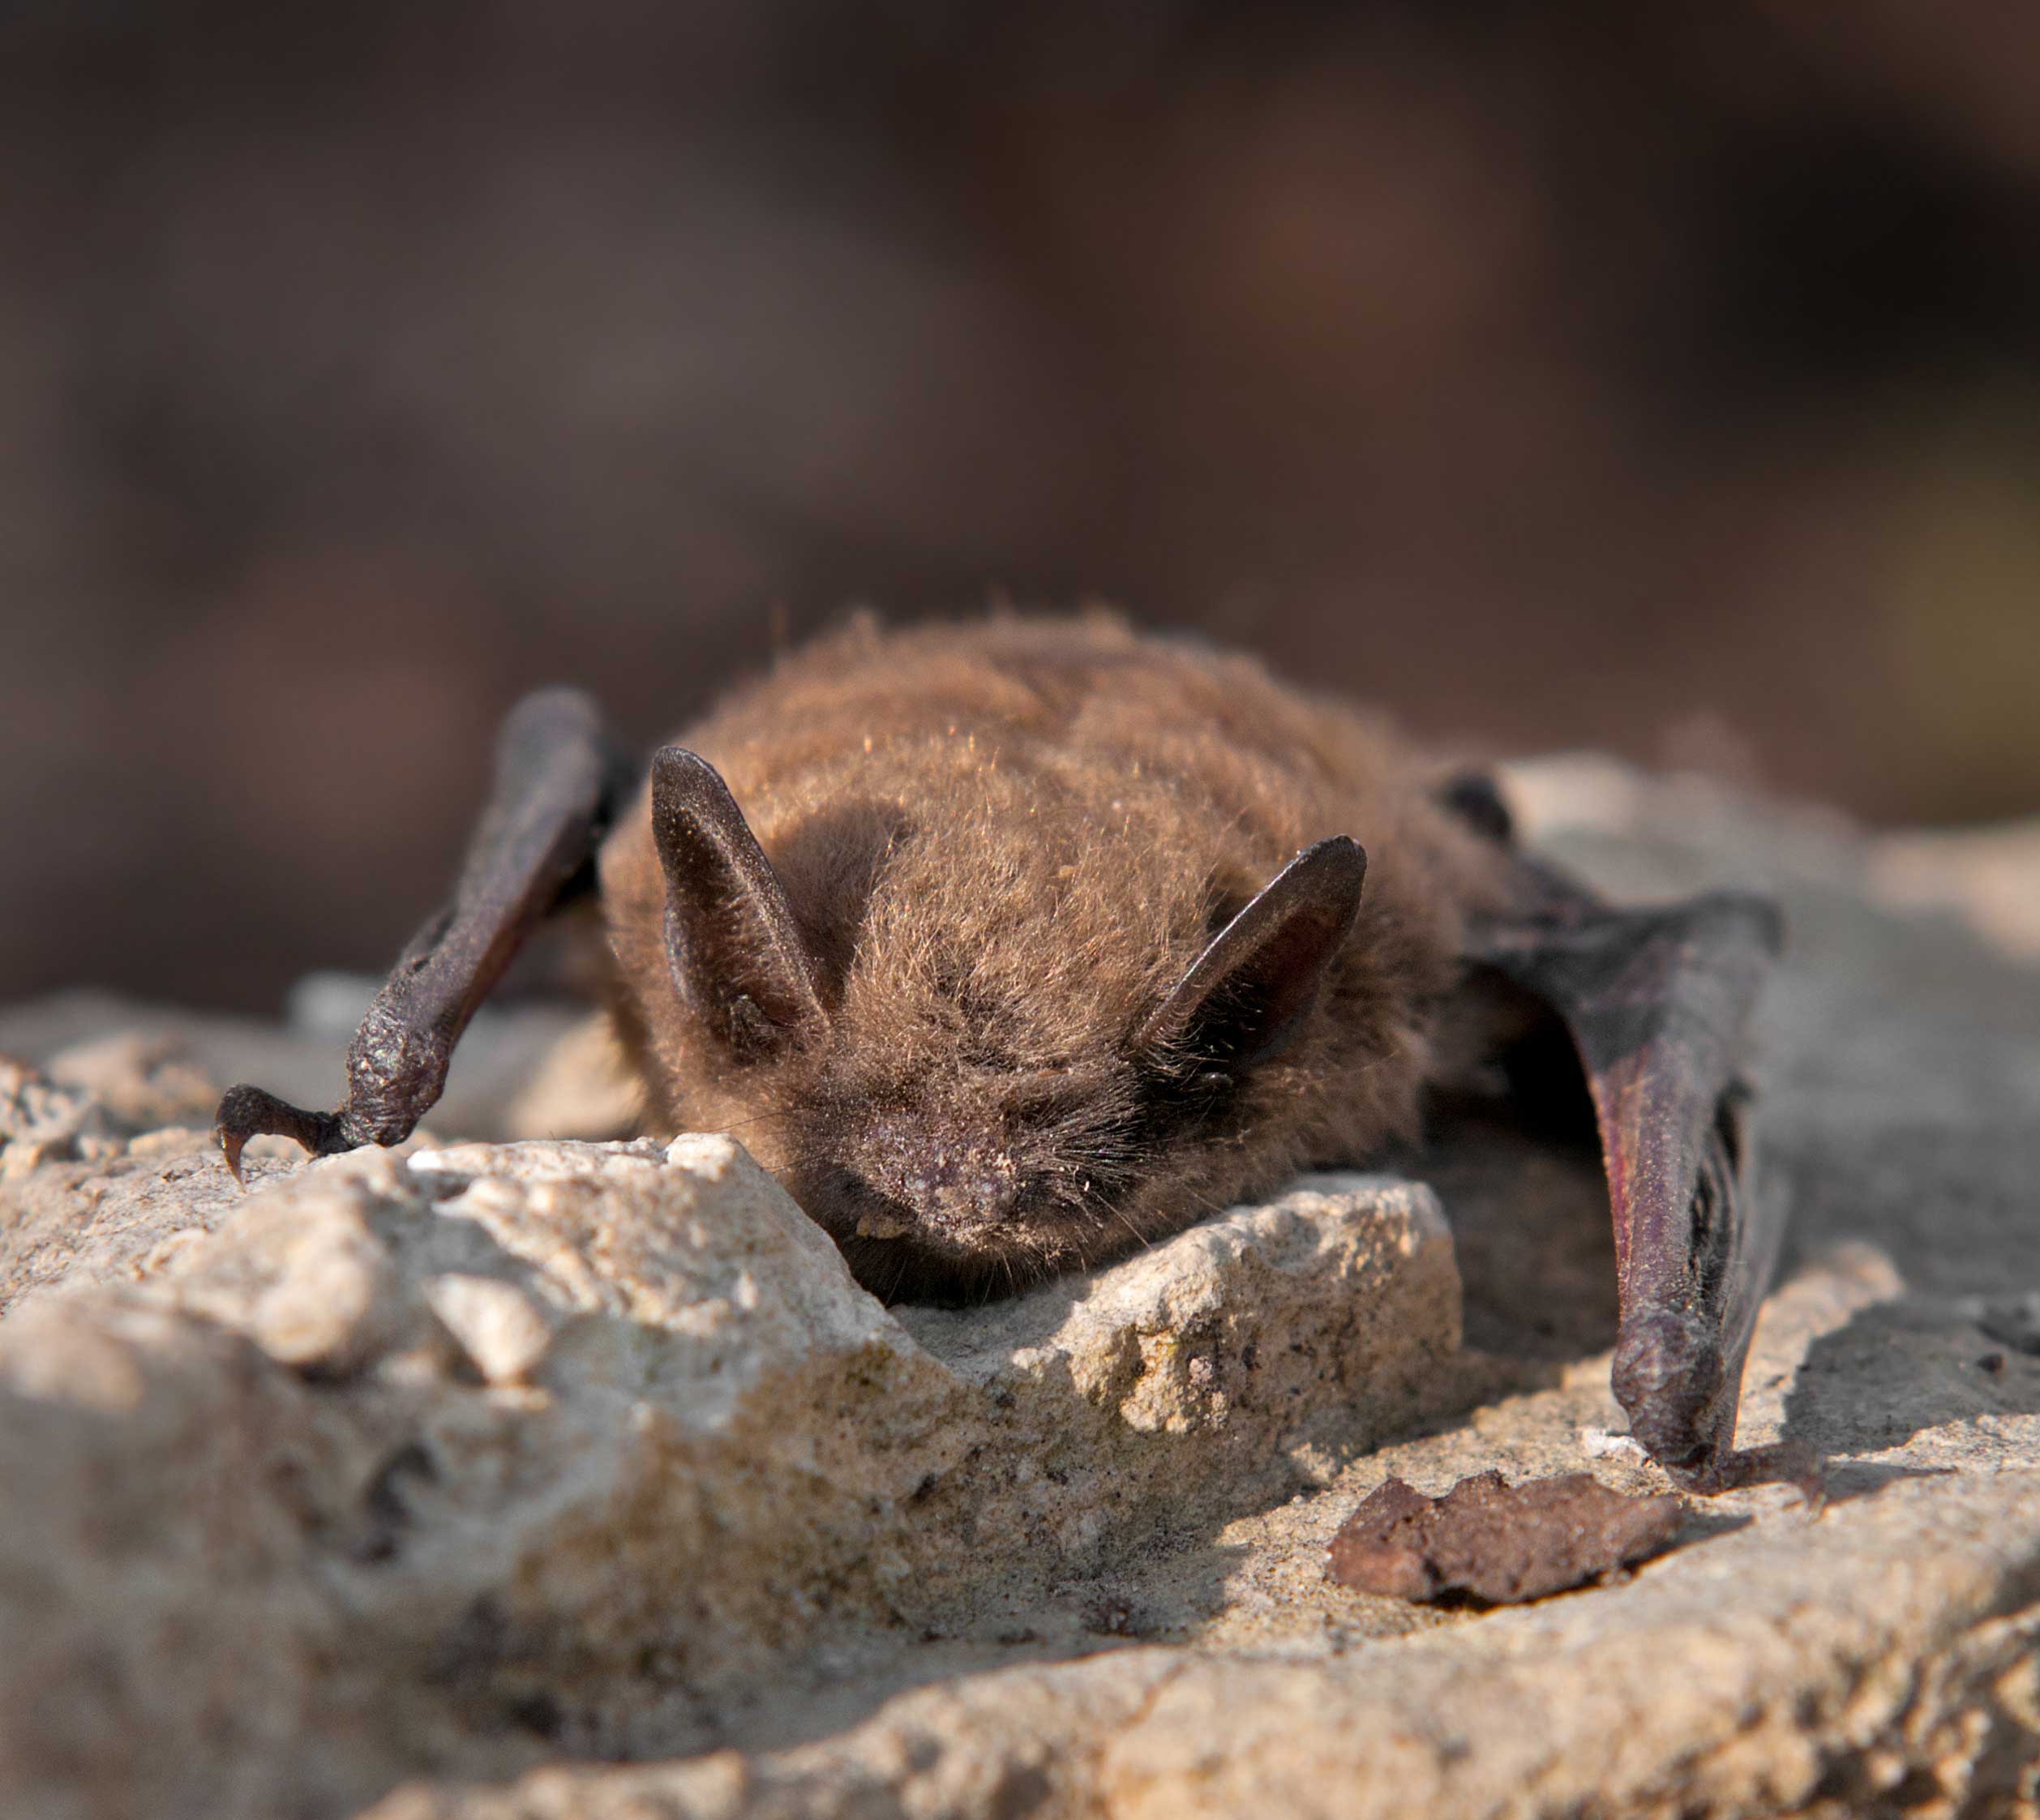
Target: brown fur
<point>1004,842</point>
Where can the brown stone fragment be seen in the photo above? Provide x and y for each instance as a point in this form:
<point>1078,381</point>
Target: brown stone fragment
<point>1500,1543</point>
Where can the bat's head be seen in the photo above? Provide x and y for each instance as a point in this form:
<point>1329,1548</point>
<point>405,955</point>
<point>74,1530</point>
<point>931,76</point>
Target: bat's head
<point>981,1058</point>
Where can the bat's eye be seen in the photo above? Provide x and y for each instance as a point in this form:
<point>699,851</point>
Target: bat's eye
<point>751,1031</point>
<point>1214,1081</point>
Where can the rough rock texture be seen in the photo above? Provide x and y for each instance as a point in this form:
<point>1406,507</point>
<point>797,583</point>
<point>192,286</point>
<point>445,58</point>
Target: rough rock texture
<point>423,1484</point>
<point>600,1443</point>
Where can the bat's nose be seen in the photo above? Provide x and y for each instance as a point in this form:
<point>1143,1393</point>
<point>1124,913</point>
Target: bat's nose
<point>946,1173</point>
<point>963,1190</point>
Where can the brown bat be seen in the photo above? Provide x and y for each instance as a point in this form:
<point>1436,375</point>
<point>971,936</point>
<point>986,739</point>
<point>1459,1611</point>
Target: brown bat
<point>1032,941</point>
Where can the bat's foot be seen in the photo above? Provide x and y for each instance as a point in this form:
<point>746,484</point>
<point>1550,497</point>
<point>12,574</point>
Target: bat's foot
<point>1782,1463</point>
<point>246,1112</point>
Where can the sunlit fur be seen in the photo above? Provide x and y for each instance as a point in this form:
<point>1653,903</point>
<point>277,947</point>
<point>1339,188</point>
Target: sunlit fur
<point>1004,842</point>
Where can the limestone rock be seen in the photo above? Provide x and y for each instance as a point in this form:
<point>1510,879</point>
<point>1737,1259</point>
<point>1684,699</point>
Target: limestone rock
<point>528,1071</point>
<point>105,1111</point>
<point>145,1083</point>
<point>430,1484</point>
<point>43,1120</point>
<point>500,1329</point>
<point>484,1446</point>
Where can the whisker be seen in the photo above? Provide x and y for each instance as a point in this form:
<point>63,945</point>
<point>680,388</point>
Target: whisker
<point>1202,1200</point>
<point>736,1125</point>
<point>1102,1208</point>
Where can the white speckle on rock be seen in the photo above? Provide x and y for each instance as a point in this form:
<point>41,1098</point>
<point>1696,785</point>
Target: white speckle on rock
<point>1604,1444</point>
<point>496,1323</point>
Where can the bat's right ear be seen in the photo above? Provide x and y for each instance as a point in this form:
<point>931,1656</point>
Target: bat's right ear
<point>1248,993</point>
<point>738,956</point>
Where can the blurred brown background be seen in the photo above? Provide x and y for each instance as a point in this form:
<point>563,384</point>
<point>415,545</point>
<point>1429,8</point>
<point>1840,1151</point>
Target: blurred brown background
<point>1666,379</point>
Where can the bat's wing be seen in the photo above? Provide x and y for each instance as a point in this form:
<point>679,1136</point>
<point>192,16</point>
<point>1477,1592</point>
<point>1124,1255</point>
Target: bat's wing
<point>559,784</point>
<point>1656,1002</point>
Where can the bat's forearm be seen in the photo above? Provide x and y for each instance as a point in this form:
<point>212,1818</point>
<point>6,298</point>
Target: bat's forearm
<point>557,786</point>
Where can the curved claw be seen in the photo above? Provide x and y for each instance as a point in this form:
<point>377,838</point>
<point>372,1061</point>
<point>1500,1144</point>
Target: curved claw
<point>246,1112</point>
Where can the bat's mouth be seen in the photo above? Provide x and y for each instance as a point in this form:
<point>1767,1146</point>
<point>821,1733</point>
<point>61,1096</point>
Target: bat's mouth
<point>953,1248</point>
<point>878,1225</point>
<point>916,1265</point>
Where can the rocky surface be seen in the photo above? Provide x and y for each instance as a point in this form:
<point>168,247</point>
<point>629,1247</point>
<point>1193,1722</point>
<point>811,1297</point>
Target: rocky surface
<point>433,1483</point>
<point>599,1445</point>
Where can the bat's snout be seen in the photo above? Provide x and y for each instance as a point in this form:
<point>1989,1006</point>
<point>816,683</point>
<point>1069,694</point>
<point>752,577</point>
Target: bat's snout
<point>940,1175</point>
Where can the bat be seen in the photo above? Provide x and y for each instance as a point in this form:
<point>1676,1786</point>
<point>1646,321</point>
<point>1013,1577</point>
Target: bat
<point>1010,946</point>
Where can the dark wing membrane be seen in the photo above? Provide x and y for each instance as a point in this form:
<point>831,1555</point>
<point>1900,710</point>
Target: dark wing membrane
<point>1656,1002</point>
<point>559,784</point>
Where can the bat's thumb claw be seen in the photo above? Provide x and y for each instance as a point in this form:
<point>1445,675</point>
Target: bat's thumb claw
<point>243,1114</point>
<point>1790,1463</point>
<point>246,1112</point>
<point>230,1147</point>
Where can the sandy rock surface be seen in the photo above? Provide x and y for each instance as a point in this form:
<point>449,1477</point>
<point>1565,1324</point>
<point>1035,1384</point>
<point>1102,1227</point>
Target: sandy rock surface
<point>559,1478</point>
<point>462,1452</point>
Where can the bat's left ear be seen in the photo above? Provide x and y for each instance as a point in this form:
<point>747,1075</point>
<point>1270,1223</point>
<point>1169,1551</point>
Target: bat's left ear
<point>736,950</point>
<point>1249,993</point>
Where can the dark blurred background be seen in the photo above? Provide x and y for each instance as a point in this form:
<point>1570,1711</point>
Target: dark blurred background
<point>1664,379</point>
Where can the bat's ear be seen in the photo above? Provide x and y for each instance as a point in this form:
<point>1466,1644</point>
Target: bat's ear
<point>1248,993</point>
<point>738,955</point>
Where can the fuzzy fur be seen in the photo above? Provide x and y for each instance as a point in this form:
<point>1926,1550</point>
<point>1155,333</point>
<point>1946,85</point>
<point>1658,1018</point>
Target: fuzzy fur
<point>1004,843</point>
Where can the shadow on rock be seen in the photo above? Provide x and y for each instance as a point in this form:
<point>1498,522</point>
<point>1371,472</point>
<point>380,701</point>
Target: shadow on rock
<point>1900,1371</point>
<point>1529,1216</point>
